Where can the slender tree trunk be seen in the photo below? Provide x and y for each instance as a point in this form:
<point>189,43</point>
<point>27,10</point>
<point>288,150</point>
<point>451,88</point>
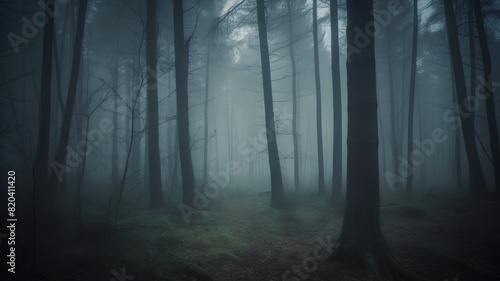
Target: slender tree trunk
<point>155,189</point>
<point>114,144</point>
<point>277,192</point>
<point>361,239</point>
<point>72,89</point>
<point>121,186</point>
<point>294,98</point>
<point>40,165</point>
<point>337,197</point>
<point>319,127</point>
<point>411,105</point>
<point>181,81</point>
<point>458,166</point>
<point>472,53</point>
<point>137,127</point>
<point>478,184</point>
<point>392,103</point>
<point>207,84</point>
<point>58,75</point>
<point>490,105</point>
<point>41,162</point>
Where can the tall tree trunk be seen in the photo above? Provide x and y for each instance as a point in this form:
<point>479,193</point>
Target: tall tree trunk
<point>57,65</point>
<point>40,166</point>
<point>477,182</point>
<point>207,83</point>
<point>319,127</point>
<point>72,89</point>
<point>490,105</point>
<point>411,105</point>
<point>337,198</point>
<point>181,81</point>
<point>458,166</point>
<point>42,158</point>
<point>114,144</point>
<point>472,53</point>
<point>392,104</point>
<point>294,98</point>
<point>361,239</point>
<point>155,189</point>
<point>278,199</point>
<point>137,124</point>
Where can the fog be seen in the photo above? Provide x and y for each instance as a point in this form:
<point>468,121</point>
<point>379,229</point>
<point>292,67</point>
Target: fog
<point>137,131</point>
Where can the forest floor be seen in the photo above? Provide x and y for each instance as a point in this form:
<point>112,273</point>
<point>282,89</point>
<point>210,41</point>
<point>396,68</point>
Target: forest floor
<point>238,237</point>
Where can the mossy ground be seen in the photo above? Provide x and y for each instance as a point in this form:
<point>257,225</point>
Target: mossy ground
<point>238,237</point>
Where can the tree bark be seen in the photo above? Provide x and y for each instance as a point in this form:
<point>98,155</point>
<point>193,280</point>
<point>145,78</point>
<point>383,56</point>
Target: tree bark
<point>277,192</point>
<point>181,80</point>
<point>411,105</point>
<point>478,185</point>
<point>337,198</point>
<point>72,89</point>
<point>458,158</point>
<point>396,147</point>
<point>42,159</point>
<point>361,239</point>
<point>294,99</point>
<point>207,83</point>
<point>41,163</point>
<point>319,127</point>
<point>114,144</point>
<point>155,188</point>
<point>490,105</point>
<point>472,53</point>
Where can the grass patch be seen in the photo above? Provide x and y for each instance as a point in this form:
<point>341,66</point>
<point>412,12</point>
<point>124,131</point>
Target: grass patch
<point>198,272</point>
<point>222,254</point>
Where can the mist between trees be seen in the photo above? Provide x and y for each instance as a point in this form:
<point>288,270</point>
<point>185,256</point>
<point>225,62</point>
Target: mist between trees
<point>236,119</point>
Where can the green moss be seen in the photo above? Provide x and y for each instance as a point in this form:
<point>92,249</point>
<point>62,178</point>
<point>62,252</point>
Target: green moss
<point>197,272</point>
<point>222,254</point>
<point>233,241</point>
<point>171,238</point>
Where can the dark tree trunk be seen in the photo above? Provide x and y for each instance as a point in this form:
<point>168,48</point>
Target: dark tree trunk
<point>395,140</point>
<point>181,81</point>
<point>40,166</point>
<point>458,166</point>
<point>207,84</point>
<point>294,99</point>
<point>155,189</point>
<point>319,129</point>
<point>477,182</point>
<point>277,193</point>
<point>472,53</point>
<point>490,105</point>
<point>411,105</point>
<point>337,198</point>
<point>42,153</point>
<point>72,89</point>
<point>57,65</point>
<point>136,122</point>
<point>114,137</point>
<point>361,239</point>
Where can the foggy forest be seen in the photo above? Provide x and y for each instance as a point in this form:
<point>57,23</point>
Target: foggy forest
<point>208,140</point>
